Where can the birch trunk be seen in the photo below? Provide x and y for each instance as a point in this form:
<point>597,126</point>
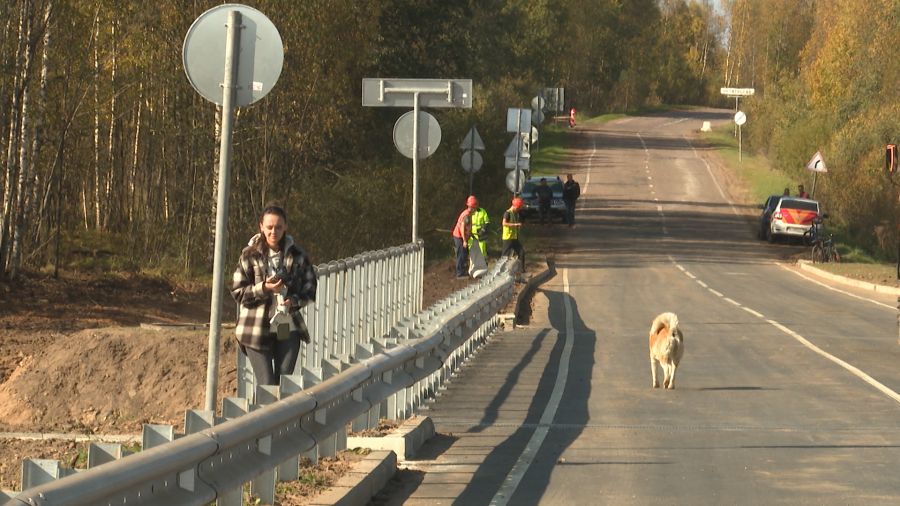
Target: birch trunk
<point>32,177</point>
<point>18,214</point>
<point>96,189</point>
<point>110,152</point>
<point>11,168</point>
<point>134,157</point>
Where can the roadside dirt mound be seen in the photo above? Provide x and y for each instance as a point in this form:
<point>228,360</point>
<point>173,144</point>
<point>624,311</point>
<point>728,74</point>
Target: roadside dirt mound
<point>111,380</point>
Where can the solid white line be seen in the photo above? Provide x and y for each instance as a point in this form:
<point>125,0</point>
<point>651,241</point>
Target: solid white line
<point>853,369</point>
<point>836,289</point>
<point>709,170</point>
<point>508,488</point>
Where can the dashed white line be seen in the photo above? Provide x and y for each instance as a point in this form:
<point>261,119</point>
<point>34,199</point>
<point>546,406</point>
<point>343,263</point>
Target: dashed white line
<point>754,313</point>
<point>732,301</point>
<point>716,293</point>
<point>701,283</point>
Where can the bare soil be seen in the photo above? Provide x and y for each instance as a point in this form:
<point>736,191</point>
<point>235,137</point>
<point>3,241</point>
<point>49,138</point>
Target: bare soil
<point>75,359</point>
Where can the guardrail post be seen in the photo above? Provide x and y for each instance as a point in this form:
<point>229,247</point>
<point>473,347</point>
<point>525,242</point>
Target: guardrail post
<point>233,407</point>
<point>263,486</point>
<point>40,471</point>
<point>196,420</point>
<point>155,435</point>
<point>101,453</point>
<point>289,470</point>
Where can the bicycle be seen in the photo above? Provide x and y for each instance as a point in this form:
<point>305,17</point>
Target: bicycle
<point>824,250</point>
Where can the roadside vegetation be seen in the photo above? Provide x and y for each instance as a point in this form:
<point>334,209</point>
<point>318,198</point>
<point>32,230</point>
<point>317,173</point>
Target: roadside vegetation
<point>110,156</point>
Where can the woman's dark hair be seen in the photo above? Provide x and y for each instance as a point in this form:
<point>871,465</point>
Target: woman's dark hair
<point>273,209</point>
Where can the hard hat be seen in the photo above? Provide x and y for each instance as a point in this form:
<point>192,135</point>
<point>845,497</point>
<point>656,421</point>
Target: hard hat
<point>517,203</point>
<point>472,201</point>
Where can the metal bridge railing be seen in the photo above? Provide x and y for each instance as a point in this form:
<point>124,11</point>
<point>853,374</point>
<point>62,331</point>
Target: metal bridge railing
<point>260,443</point>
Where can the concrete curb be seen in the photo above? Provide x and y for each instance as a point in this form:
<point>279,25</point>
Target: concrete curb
<point>405,441</point>
<point>526,292</point>
<point>365,479</point>
<point>806,265</point>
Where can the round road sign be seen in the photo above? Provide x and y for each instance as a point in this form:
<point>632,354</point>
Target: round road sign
<point>740,118</point>
<point>511,181</point>
<point>259,61</point>
<point>537,103</point>
<point>471,161</point>
<point>429,135</point>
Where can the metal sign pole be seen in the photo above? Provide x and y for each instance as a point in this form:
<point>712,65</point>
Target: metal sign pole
<point>518,141</point>
<point>415,159</point>
<point>232,50</point>
<point>472,165</point>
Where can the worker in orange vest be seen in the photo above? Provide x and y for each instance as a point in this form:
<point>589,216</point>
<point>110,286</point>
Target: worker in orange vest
<point>461,233</point>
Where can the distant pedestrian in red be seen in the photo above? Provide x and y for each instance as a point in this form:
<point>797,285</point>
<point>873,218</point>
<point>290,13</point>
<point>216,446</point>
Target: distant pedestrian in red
<point>572,118</point>
<point>801,192</point>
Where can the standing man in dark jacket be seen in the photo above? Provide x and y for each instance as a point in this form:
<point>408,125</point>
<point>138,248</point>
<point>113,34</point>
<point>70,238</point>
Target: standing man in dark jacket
<point>544,194</point>
<point>571,192</point>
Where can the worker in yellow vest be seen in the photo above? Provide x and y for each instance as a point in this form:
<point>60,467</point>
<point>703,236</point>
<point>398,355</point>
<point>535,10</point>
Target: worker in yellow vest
<point>480,222</point>
<point>512,225</point>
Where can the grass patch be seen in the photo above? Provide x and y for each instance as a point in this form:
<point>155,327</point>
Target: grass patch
<point>754,169</point>
<point>551,151</point>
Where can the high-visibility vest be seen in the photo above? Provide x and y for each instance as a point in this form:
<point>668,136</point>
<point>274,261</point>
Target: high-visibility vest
<point>480,221</point>
<point>511,216</point>
<point>463,225</point>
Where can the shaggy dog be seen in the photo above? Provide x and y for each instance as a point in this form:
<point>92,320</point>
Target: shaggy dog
<point>666,348</point>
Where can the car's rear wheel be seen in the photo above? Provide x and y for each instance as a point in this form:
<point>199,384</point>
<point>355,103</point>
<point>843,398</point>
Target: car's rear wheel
<point>770,236</point>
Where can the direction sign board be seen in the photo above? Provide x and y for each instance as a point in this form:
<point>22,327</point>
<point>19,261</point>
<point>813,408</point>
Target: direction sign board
<point>440,93</point>
<point>259,61</point>
<point>509,162</point>
<point>518,120</point>
<point>737,92</point>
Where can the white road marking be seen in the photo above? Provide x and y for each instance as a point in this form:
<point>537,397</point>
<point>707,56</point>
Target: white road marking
<point>804,276</point>
<point>716,293</point>
<point>805,342</point>
<point>709,170</point>
<point>508,488</point>
<point>701,283</point>
<point>754,313</point>
<point>853,369</point>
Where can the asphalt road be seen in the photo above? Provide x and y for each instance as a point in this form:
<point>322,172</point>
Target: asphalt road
<point>787,392</point>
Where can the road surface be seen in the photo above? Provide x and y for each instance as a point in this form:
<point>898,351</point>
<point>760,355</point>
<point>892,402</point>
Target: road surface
<point>787,392</point>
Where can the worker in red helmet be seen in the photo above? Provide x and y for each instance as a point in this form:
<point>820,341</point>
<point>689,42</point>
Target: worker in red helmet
<point>461,233</point>
<point>512,225</point>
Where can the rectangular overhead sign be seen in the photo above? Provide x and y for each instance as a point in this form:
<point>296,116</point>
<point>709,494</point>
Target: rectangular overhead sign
<point>452,93</point>
<point>737,92</point>
<point>518,120</point>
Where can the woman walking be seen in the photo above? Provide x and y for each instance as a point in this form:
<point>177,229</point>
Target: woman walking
<point>273,280</point>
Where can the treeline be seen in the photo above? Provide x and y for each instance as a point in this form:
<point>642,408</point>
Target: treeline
<point>107,150</point>
<point>827,78</point>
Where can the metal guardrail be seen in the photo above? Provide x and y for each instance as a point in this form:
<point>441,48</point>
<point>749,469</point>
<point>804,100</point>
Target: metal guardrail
<point>358,298</point>
<point>262,445</point>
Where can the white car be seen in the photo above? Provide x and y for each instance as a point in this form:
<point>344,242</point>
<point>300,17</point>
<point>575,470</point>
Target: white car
<point>792,217</point>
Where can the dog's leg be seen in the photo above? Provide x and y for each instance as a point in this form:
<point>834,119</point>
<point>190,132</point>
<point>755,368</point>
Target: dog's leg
<point>672,377</point>
<point>667,375</point>
<point>653,362</point>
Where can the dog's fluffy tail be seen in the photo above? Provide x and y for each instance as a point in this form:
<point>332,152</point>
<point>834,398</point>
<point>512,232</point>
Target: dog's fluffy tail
<point>668,320</point>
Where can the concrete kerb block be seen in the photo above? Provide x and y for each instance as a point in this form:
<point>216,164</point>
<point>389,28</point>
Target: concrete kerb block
<point>404,441</point>
<point>532,284</point>
<point>806,265</point>
<point>364,480</point>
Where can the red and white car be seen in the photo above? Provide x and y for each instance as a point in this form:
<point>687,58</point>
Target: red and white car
<point>789,217</point>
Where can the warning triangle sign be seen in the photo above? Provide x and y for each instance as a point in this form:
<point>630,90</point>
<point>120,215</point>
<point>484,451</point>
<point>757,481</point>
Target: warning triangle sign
<point>817,164</point>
